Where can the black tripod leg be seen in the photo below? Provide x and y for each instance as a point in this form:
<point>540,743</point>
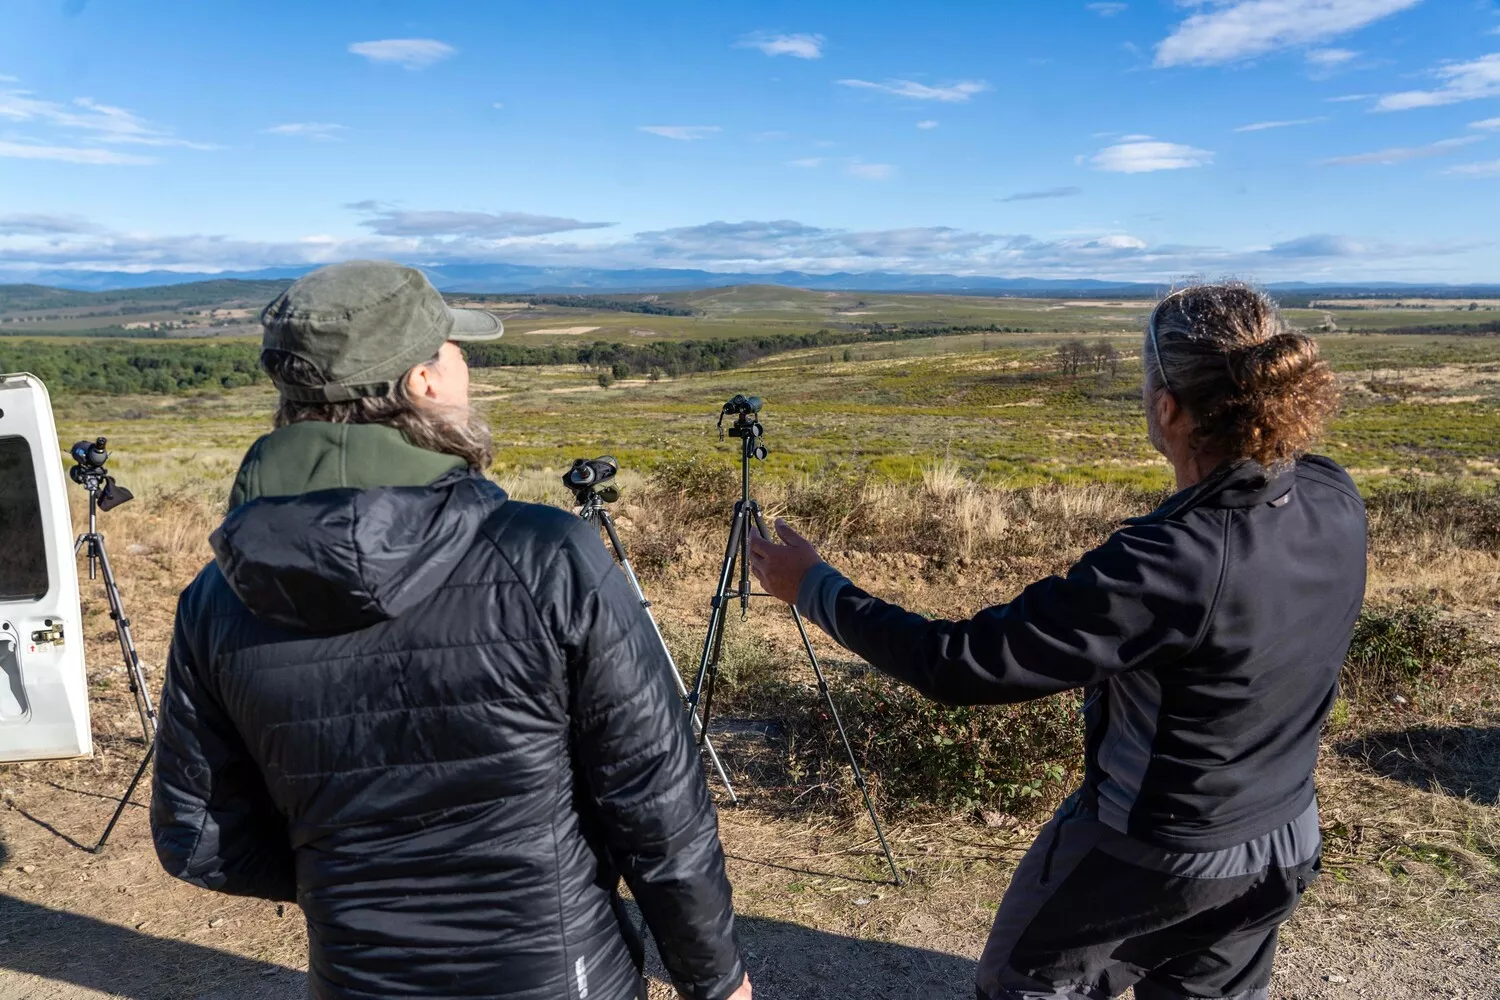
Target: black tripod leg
<point>635,583</point>
<point>713,643</point>
<point>133,670</point>
<point>859,776</point>
<point>140,773</point>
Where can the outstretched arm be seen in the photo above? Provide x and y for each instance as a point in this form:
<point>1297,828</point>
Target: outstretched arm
<point>1123,603</point>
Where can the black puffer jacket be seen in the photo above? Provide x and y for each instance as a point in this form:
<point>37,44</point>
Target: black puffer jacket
<point>440,721</point>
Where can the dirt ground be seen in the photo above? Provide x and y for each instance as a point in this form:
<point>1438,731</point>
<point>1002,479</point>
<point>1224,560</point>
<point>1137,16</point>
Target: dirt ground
<point>1408,907</point>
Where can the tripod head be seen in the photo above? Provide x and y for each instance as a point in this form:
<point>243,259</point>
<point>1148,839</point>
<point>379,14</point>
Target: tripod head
<point>747,426</point>
<point>89,472</point>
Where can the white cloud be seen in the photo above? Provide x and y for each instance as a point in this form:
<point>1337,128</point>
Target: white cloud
<point>1463,81</point>
<point>97,122</point>
<point>1119,241</point>
<point>1045,193</point>
<point>408,53</point>
<point>1329,58</point>
<point>1490,168</point>
<point>870,171</point>
<point>797,46</point>
<point>498,106</point>
<point>756,247</point>
<point>1318,245</point>
<point>1401,154</point>
<point>1487,124</point>
<point>1145,157</point>
<point>682,133</point>
<point>45,224</point>
<point>1262,126</point>
<point>807,162</point>
<point>1235,30</point>
<point>1347,98</point>
<point>1107,9</point>
<point>387,220</point>
<point>928,124</point>
<point>953,94</point>
<point>69,154</point>
<point>317,131</point>
<point>1136,137</point>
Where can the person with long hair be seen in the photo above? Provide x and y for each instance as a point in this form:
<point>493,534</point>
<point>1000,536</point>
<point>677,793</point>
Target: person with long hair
<point>435,717</point>
<point>1207,636</point>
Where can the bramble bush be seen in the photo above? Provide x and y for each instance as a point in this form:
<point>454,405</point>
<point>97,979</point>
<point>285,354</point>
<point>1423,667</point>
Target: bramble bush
<point>1406,649</point>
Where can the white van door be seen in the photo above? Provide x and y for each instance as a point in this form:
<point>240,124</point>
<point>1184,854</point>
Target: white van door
<point>44,709</point>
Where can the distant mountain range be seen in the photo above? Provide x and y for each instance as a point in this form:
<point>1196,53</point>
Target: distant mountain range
<point>522,278</point>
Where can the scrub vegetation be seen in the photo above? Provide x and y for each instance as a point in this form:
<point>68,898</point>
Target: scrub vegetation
<point>944,471</point>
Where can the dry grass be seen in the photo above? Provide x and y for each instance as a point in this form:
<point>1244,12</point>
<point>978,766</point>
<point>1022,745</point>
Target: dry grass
<point>1413,835</point>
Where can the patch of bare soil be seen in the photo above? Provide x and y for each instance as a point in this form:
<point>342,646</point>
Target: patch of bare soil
<point>559,331</point>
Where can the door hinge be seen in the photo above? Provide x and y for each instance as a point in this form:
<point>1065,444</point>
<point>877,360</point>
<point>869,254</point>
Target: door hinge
<point>53,633</point>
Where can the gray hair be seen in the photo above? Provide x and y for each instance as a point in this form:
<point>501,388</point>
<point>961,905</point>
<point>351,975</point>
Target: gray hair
<point>469,439</point>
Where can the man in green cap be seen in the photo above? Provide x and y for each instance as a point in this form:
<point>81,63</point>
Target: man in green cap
<point>436,718</point>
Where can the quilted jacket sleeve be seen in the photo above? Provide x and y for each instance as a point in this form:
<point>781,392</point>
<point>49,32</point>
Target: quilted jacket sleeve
<point>212,820</point>
<point>640,764</point>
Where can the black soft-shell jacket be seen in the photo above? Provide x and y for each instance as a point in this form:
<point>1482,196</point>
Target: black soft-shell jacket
<point>1209,634</point>
<point>440,721</point>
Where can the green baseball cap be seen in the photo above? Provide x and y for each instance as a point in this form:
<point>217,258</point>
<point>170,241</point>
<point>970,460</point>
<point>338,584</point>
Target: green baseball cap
<point>364,324</point>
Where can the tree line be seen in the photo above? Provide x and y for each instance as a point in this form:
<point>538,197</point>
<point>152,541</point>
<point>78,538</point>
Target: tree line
<point>597,303</point>
<point>100,366</point>
<point>685,357</point>
<point>127,368</point>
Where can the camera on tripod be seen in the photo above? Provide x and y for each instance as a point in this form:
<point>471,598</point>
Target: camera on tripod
<point>593,477</point>
<point>744,408</point>
<point>747,517</point>
<point>89,472</point>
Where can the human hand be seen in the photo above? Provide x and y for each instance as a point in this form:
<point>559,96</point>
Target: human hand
<point>780,568</point>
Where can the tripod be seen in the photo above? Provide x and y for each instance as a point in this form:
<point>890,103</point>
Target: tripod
<point>747,510</point>
<point>594,512</point>
<point>97,482</point>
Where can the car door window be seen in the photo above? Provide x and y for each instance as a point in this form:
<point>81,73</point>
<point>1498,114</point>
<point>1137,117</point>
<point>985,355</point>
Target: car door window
<point>23,569</point>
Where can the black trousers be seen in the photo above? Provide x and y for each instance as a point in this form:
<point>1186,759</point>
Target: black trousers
<point>1091,912</point>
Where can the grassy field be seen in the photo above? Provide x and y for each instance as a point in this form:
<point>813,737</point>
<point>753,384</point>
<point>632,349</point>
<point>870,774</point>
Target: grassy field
<point>944,473</point>
<point>228,309</point>
<point>994,403</point>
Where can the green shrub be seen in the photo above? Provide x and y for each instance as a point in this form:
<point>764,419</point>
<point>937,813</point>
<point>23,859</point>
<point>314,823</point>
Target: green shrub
<point>919,756</point>
<point>1414,505</point>
<point>1406,650</point>
<point>1018,759</point>
<point>694,489</point>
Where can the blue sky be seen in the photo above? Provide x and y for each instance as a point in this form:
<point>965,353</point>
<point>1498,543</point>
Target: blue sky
<point>1149,139</point>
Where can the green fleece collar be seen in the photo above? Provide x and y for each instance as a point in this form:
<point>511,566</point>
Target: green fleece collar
<point>311,455</point>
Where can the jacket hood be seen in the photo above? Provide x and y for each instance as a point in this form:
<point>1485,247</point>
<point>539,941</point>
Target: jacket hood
<point>337,560</point>
<point>313,455</point>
